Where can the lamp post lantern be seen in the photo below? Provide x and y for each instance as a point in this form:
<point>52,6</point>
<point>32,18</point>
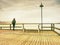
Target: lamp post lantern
<point>41,16</point>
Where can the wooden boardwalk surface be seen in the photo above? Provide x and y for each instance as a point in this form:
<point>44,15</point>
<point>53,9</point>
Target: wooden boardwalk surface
<point>25,38</point>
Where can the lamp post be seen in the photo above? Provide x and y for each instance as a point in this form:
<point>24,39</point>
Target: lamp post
<point>41,16</point>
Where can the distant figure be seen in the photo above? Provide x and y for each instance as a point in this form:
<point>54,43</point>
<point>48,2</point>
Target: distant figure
<point>13,23</point>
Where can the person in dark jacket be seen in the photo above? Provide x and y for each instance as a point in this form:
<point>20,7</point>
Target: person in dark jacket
<point>13,23</point>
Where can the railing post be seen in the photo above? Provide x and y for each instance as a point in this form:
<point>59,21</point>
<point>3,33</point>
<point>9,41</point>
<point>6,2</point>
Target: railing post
<point>23,27</point>
<point>1,28</point>
<point>41,26</point>
<point>52,27</point>
<point>38,28</point>
<point>10,26</point>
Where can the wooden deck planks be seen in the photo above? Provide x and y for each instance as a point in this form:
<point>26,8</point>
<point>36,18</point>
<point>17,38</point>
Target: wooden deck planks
<point>20,38</point>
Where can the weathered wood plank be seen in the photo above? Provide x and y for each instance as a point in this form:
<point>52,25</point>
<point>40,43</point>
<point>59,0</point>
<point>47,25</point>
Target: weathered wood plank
<point>20,38</point>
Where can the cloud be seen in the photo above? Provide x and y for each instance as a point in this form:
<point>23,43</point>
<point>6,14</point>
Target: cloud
<point>52,3</point>
<point>57,1</point>
<point>28,4</point>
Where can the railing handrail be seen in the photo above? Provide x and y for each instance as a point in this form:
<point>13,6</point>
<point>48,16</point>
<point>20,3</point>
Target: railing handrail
<point>52,25</point>
<point>57,28</point>
<point>38,23</point>
<point>30,23</point>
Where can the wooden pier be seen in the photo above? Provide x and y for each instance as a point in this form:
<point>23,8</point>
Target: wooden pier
<point>9,37</point>
<point>24,36</point>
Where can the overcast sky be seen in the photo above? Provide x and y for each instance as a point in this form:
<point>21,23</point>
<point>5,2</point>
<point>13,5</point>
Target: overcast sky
<point>29,11</point>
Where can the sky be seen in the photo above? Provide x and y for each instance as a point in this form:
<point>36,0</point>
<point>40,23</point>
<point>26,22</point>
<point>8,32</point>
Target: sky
<point>28,11</point>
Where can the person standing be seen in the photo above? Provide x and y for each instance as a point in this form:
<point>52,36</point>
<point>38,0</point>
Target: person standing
<point>13,23</point>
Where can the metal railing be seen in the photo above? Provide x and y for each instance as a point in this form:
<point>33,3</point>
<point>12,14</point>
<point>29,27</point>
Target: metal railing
<point>38,25</point>
<point>32,26</point>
